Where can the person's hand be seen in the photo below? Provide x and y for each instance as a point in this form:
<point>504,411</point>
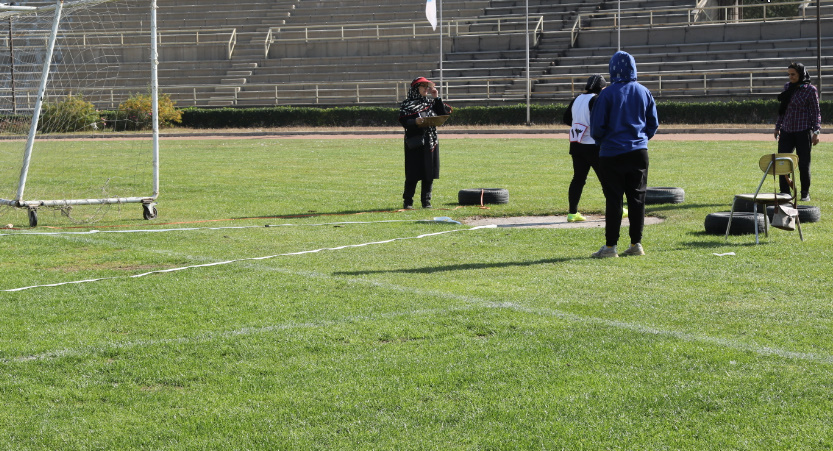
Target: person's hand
<point>777,133</point>
<point>815,139</point>
<point>432,91</point>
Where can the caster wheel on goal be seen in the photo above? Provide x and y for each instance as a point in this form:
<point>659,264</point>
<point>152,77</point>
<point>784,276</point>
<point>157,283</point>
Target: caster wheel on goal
<point>33,217</point>
<point>149,211</point>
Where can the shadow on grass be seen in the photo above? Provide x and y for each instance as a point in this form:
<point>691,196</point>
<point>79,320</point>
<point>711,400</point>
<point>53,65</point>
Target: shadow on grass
<point>716,241</point>
<point>315,214</point>
<point>462,267</point>
<point>668,207</point>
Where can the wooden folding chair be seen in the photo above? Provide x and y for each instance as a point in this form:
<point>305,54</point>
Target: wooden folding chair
<point>776,164</point>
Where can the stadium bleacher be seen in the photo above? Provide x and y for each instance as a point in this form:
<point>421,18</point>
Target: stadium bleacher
<point>340,52</point>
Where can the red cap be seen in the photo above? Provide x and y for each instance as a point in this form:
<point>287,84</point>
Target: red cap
<point>419,80</point>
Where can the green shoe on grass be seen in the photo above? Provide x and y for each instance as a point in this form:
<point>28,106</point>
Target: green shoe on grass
<point>575,217</point>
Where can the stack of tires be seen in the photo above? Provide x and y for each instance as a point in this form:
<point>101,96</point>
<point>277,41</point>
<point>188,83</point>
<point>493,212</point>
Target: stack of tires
<point>743,221</point>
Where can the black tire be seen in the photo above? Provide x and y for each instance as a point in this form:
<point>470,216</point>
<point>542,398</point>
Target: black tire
<point>664,195</point>
<point>743,223</point>
<point>739,204</point>
<point>33,218</point>
<point>490,196</point>
<point>744,205</point>
<point>806,213</point>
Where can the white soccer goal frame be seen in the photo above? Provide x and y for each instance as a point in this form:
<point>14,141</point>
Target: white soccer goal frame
<point>148,202</point>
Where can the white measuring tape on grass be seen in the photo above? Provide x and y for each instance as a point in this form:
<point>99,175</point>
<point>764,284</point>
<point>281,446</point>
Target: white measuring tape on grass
<point>227,262</point>
<point>443,219</point>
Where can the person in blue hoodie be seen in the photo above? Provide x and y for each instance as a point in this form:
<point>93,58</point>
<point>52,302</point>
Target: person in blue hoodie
<point>622,121</point>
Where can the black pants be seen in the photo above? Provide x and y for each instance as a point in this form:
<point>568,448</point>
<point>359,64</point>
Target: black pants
<point>627,175</point>
<point>802,143</point>
<point>425,194</point>
<point>585,157</point>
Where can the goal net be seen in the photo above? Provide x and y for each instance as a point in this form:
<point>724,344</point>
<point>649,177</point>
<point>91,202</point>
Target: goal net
<point>75,76</point>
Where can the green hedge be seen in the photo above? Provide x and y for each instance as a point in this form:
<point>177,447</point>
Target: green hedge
<point>744,112</point>
<point>762,112</point>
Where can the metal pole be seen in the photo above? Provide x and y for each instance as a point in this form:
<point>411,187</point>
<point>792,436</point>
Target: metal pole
<point>11,64</point>
<point>440,6</point>
<point>619,25</point>
<point>818,44</point>
<point>30,142</point>
<point>528,87</point>
<point>154,80</point>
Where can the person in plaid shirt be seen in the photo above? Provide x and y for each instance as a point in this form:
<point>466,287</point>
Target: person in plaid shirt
<point>799,124</point>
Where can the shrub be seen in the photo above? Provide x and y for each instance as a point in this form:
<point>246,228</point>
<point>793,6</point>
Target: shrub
<point>69,115</point>
<point>15,124</point>
<point>773,9</point>
<point>670,112</point>
<point>136,112</point>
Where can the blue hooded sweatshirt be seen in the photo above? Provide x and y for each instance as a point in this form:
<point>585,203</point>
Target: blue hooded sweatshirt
<point>624,117</point>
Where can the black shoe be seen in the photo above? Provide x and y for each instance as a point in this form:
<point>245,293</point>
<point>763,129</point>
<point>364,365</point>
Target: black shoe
<point>407,206</point>
<point>426,205</point>
<point>805,197</point>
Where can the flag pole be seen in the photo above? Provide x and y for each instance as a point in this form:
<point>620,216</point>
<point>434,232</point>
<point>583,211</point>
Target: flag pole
<point>440,6</point>
<point>818,44</point>
<point>528,87</point>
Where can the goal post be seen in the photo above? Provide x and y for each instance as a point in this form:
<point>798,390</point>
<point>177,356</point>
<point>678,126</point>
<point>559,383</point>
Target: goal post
<point>88,51</point>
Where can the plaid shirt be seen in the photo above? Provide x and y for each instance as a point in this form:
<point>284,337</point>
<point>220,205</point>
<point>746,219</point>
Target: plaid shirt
<point>803,112</point>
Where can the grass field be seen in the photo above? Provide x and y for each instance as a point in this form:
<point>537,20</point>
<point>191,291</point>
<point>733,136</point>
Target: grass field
<point>495,338</point>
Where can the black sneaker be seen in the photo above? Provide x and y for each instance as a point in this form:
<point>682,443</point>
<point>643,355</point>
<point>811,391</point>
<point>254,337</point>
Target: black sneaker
<point>426,205</point>
<point>408,206</point>
<point>805,197</point>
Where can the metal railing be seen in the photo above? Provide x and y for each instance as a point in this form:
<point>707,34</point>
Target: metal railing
<point>132,38</point>
<point>754,83</point>
<point>379,30</point>
<point>645,19</point>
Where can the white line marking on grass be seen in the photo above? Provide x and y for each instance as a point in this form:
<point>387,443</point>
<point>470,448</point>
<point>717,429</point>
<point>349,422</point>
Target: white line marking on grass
<point>209,336</point>
<point>572,317</point>
<point>266,257</point>
<point>473,303</point>
<point>191,229</point>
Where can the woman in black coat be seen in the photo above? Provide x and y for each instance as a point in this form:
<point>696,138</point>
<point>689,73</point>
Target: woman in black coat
<point>422,149</point>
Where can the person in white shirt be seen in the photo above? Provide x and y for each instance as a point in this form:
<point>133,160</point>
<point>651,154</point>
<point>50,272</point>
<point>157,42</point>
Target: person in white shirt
<point>583,149</point>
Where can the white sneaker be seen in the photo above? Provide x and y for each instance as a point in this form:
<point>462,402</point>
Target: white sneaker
<point>634,249</point>
<point>605,252</point>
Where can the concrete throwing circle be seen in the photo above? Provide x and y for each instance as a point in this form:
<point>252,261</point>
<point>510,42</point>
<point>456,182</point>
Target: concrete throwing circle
<point>552,222</point>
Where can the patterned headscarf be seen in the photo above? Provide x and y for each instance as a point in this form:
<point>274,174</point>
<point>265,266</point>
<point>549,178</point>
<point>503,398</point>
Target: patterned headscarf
<point>416,105</point>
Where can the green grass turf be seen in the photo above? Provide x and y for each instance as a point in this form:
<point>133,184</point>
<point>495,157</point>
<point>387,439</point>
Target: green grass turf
<point>501,338</point>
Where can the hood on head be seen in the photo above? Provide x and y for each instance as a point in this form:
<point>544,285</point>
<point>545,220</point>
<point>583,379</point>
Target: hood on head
<point>622,67</point>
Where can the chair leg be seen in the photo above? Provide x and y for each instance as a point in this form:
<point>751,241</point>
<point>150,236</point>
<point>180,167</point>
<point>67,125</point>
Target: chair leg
<point>766,221</point>
<point>755,218</point>
<point>798,224</point>
<point>729,225</point>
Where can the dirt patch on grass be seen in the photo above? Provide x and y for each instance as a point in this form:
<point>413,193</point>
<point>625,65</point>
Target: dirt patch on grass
<point>553,222</point>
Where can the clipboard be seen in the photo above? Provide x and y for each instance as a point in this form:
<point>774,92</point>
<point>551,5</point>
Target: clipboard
<point>434,121</point>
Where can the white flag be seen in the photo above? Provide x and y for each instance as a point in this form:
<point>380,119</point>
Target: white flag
<point>431,12</point>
